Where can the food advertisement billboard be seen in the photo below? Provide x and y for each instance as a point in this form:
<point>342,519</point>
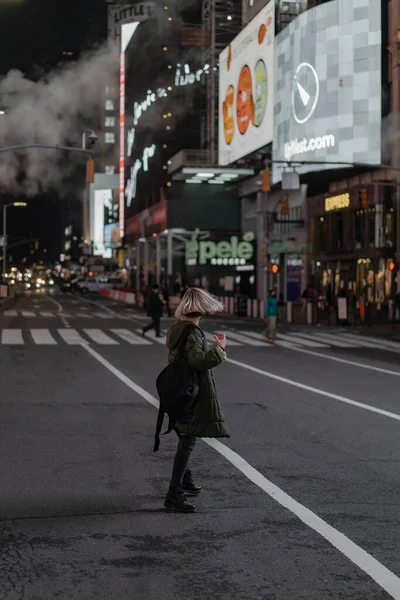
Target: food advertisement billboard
<point>328,92</point>
<point>246,89</point>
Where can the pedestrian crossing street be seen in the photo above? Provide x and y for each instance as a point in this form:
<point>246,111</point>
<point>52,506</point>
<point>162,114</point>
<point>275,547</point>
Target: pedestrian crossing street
<point>235,338</point>
<point>31,314</point>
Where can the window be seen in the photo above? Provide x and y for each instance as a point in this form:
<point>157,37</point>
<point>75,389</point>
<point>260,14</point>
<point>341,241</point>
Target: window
<point>323,234</point>
<point>109,138</point>
<point>110,105</point>
<point>110,122</point>
<point>359,229</point>
<point>109,170</point>
<point>371,228</point>
<point>389,229</point>
<point>338,230</point>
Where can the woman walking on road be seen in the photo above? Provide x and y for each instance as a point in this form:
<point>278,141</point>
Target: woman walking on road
<point>206,419</point>
<point>271,316</point>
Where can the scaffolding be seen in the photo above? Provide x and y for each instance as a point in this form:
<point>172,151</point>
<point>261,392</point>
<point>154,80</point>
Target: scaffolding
<point>223,19</point>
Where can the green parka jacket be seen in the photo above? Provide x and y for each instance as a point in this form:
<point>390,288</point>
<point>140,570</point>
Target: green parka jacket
<point>207,419</point>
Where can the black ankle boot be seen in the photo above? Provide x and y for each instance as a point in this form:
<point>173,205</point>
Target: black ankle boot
<point>188,485</point>
<point>177,502</point>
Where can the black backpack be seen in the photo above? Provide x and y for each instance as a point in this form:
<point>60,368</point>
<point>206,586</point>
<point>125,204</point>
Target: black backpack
<point>178,388</point>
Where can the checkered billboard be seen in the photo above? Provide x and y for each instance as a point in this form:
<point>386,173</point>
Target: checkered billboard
<point>328,86</point>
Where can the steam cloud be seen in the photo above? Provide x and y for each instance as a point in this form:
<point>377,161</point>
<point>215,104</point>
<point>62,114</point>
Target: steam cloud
<point>61,105</point>
<point>54,110</point>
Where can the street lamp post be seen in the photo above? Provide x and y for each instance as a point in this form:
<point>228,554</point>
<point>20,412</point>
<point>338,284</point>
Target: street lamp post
<point>18,204</point>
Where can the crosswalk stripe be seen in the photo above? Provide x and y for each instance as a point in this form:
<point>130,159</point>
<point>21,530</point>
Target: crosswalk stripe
<point>10,313</point>
<point>99,337</point>
<point>12,337</point>
<point>131,338</point>
<point>256,336</point>
<point>103,316</point>
<point>47,315</point>
<point>84,316</point>
<point>310,344</point>
<point>28,313</point>
<point>210,338</point>
<point>152,334</point>
<point>372,342</point>
<point>43,337</point>
<point>72,337</point>
<point>245,340</point>
<point>331,339</point>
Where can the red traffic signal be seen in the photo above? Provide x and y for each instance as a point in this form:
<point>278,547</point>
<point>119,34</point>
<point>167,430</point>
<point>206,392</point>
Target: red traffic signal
<point>392,265</point>
<point>275,269</point>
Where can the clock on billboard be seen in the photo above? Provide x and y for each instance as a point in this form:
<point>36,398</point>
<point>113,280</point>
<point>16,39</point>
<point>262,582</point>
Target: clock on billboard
<point>305,92</point>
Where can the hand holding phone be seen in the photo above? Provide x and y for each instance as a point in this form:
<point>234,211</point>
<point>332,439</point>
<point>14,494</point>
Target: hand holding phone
<point>220,340</point>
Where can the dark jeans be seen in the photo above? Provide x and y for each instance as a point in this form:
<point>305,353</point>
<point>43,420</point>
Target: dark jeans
<point>185,448</point>
<point>155,324</point>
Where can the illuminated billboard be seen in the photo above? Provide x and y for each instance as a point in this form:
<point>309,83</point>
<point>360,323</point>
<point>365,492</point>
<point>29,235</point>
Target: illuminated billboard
<point>328,86</point>
<point>127,32</point>
<point>246,89</point>
<point>101,199</point>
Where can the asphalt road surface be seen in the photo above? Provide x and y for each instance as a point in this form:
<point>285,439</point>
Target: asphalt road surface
<point>302,502</point>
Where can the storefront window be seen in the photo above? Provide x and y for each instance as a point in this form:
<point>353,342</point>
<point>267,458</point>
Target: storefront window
<point>338,230</point>
<point>358,229</point>
<point>323,234</point>
<point>371,228</point>
<point>389,229</point>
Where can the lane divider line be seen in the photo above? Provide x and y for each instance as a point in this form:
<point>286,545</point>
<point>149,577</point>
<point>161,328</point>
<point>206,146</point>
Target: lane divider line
<point>387,580</point>
<point>345,361</point>
<point>314,390</point>
<point>60,312</point>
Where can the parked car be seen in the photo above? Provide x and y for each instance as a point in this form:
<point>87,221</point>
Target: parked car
<point>95,284</point>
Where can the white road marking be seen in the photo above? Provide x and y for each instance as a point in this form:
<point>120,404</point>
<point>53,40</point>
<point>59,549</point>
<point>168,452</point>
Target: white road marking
<point>292,339</point>
<point>84,316</point>
<point>245,340</point>
<point>102,316</point>
<point>48,315</point>
<point>332,339</point>
<point>387,580</point>
<point>72,337</point>
<point>12,337</point>
<point>314,390</point>
<point>99,337</point>
<point>345,361</point>
<point>131,338</point>
<point>102,307</point>
<point>43,337</point>
<point>61,314</point>
<point>28,313</point>
<point>10,313</point>
<point>378,342</point>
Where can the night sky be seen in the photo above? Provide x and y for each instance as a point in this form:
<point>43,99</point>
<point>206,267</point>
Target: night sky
<point>33,36</point>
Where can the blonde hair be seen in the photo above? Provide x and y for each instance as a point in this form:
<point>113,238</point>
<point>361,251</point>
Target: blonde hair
<point>198,302</point>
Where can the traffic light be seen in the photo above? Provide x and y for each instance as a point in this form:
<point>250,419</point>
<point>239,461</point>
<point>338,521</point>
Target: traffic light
<point>364,198</point>
<point>266,180</point>
<point>285,207</point>
<point>273,268</point>
<point>392,266</point>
